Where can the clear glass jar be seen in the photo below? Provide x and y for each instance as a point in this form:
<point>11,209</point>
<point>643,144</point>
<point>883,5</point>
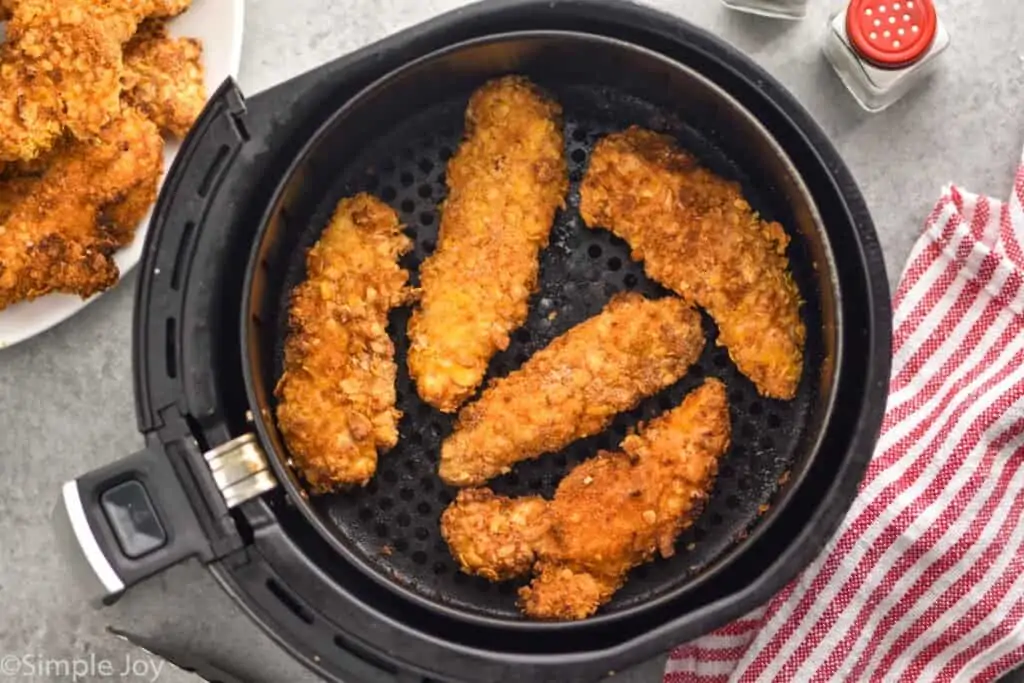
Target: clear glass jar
<point>882,49</point>
<point>779,9</point>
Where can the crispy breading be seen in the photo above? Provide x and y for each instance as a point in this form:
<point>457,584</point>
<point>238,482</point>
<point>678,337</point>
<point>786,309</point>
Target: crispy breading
<point>167,8</point>
<point>610,514</point>
<point>121,218</point>
<point>337,394</point>
<point>494,536</point>
<point>12,192</point>
<point>574,387</point>
<point>77,45</point>
<point>697,236</point>
<point>61,68</point>
<point>137,164</point>
<point>164,78</point>
<point>6,9</point>
<point>33,167</point>
<point>505,184</point>
<point>31,110</point>
<point>50,238</point>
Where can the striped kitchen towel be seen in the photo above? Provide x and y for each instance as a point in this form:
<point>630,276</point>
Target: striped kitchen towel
<point>924,581</point>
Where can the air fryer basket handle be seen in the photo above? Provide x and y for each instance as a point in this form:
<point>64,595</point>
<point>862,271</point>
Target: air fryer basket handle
<point>125,522</point>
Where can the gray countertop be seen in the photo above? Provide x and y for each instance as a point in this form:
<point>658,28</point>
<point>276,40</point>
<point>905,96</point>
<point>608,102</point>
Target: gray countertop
<point>66,396</point>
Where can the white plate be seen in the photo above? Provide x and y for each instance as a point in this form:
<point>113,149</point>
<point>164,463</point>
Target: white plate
<point>218,23</point>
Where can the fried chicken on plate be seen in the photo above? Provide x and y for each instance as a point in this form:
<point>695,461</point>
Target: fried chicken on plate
<point>505,183</point>
<point>50,238</point>
<point>574,387</point>
<point>66,210</point>
<point>61,68</point>
<point>697,236</point>
<point>337,394</point>
<point>164,78</point>
<point>610,514</point>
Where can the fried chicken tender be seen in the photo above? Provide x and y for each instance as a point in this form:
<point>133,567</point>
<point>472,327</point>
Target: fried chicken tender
<point>164,78</point>
<point>50,235</point>
<point>337,393</point>
<point>75,45</point>
<point>505,184</point>
<point>609,514</point>
<point>574,387</point>
<point>494,536</point>
<point>61,68</point>
<point>697,236</point>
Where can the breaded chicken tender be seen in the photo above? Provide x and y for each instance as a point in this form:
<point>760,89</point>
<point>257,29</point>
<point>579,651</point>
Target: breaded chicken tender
<point>164,78</point>
<point>574,387</point>
<point>697,236</point>
<point>494,536</point>
<point>61,68</point>
<point>337,394</point>
<point>76,44</point>
<point>609,514</point>
<point>51,238</point>
<point>505,184</point>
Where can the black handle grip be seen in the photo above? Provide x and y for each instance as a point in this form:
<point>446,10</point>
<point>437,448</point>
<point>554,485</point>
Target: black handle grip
<point>127,521</point>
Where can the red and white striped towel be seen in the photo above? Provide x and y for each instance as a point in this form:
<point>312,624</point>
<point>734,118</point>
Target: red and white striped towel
<point>924,580</point>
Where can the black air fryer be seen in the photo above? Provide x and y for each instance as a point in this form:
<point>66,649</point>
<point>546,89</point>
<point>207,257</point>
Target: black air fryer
<point>359,585</point>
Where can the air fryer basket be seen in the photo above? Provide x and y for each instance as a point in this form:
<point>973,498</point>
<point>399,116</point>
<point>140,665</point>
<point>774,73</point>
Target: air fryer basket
<point>393,140</point>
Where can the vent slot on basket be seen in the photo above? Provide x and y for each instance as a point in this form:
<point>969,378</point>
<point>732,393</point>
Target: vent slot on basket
<point>184,253</point>
<point>171,347</point>
<point>349,646</point>
<point>212,173</point>
<point>289,601</point>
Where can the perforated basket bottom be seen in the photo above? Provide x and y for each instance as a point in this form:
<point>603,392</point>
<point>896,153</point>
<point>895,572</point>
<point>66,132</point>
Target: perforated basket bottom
<point>393,522</point>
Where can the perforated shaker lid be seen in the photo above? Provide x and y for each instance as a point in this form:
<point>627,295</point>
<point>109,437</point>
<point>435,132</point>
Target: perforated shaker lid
<point>891,33</point>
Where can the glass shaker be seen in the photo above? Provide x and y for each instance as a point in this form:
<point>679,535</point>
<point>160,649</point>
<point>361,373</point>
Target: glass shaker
<point>882,49</point>
<point>780,9</point>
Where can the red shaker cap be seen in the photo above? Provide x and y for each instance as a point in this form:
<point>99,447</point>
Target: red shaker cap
<point>891,33</point>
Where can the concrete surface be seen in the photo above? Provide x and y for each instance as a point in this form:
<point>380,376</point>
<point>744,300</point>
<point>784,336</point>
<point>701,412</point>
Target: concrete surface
<point>65,397</point>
